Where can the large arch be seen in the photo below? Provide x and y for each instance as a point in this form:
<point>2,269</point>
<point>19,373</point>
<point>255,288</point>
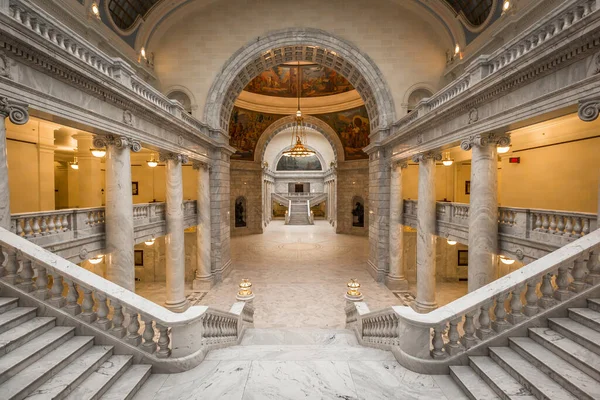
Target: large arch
<point>300,44</point>
<point>311,123</point>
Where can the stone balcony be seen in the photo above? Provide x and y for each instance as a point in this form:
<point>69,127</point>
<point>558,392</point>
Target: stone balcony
<point>524,234</point>
<point>79,233</point>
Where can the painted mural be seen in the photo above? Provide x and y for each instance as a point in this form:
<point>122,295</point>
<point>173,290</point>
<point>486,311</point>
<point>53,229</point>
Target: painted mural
<point>310,163</point>
<point>245,127</point>
<point>352,126</point>
<point>315,80</point>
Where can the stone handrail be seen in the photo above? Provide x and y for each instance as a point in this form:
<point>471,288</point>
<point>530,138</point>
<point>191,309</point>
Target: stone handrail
<point>62,39</point>
<point>420,340</point>
<point>117,312</point>
<point>563,18</point>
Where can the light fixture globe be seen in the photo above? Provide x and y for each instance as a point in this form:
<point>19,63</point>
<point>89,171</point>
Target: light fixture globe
<point>503,149</point>
<point>451,242</point>
<point>99,153</point>
<point>96,260</point>
<point>74,164</point>
<point>298,147</point>
<point>150,242</point>
<point>506,260</point>
<point>447,161</point>
<point>152,162</point>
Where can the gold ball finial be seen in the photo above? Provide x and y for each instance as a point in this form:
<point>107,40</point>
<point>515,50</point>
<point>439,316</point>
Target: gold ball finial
<point>353,293</point>
<point>245,292</point>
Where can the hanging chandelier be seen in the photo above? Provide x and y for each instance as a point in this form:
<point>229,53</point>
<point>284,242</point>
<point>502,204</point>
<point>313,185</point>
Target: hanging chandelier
<point>298,147</point>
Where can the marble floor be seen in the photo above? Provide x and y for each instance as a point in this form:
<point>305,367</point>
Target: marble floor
<point>299,276</point>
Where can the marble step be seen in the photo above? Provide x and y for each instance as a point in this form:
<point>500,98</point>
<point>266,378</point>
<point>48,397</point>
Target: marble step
<point>299,353</point>
<point>472,384</point>
<point>8,303</point>
<point>568,376</point>
<point>586,316</point>
<point>128,384</point>
<point>29,379</point>
<point>20,358</point>
<point>23,333</point>
<point>594,304</point>
<point>587,337</point>
<point>15,317</point>
<point>534,380</point>
<point>61,384</point>
<point>99,381</point>
<point>568,350</point>
<point>299,336</point>
<point>504,385</point>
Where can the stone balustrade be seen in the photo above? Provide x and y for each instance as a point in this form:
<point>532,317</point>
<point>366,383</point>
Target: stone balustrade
<point>430,342</point>
<point>65,231</point>
<point>90,300</point>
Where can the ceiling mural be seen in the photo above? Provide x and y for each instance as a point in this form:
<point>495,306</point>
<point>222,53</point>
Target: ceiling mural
<point>245,127</point>
<point>310,163</point>
<point>282,81</point>
<point>352,126</point>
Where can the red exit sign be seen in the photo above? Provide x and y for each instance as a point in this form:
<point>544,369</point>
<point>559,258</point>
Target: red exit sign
<point>514,160</point>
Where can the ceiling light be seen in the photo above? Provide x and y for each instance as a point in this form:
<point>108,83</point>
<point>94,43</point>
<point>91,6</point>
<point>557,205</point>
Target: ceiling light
<point>98,152</point>
<point>451,242</point>
<point>96,260</point>
<point>456,49</point>
<point>150,242</point>
<point>74,164</point>
<point>447,161</point>
<point>503,149</point>
<point>152,161</point>
<point>507,261</point>
<point>298,147</point>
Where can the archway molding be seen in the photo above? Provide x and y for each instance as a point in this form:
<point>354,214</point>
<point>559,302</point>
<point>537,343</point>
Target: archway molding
<point>300,44</point>
<point>324,167</point>
<point>310,122</point>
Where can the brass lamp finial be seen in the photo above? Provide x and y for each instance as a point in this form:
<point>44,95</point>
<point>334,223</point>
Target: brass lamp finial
<point>245,292</point>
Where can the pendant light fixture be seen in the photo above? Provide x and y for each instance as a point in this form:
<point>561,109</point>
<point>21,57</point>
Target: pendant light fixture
<point>152,161</point>
<point>298,146</point>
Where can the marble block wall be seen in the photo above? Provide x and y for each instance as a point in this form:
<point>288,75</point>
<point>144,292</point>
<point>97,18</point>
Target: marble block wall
<point>282,182</point>
<point>219,214</point>
<point>246,181</point>
<point>352,181</point>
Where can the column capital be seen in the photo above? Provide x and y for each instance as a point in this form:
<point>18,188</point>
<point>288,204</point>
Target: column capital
<point>430,155</point>
<point>485,139</point>
<point>120,142</point>
<point>178,158</point>
<point>398,164</point>
<point>197,165</point>
<point>16,111</point>
<point>589,110</point>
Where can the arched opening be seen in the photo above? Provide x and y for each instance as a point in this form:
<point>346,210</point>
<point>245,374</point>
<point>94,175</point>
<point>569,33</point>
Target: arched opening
<point>182,98</point>
<point>241,212</point>
<point>358,212</point>
<point>415,97</point>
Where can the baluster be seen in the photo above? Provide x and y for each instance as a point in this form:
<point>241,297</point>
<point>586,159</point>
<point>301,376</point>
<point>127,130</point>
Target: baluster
<point>72,295</point>
<point>148,346</point>
<point>484,331</point>
<point>568,226</point>
<point>41,283</point>
<point>469,339</point>
<point>553,223</point>
<point>133,330</point>
<point>103,322</point>
<point>438,343</point>
<point>11,267</point>
<point>19,230</point>
<point>516,306</point>
<point>453,346</point>
<point>118,318</point>
<point>36,226</point>
<point>57,224</point>
<point>26,276</point>
<point>545,223</point>
<point>560,227</point>
<point>500,324</point>
<point>538,222</point>
<point>577,228</point>
<point>579,273</point>
<point>531,298</point>
<point>28,230</point>
<point>44,228</point>
<point>87,305</point>
<point>51,225</point>
<point>593,277</point>
<point>163,342</point>
<point>65,223</point>
<point>586,227</point>
<point>56,299</point>
<point>546,301</point>
<point>562,292</point>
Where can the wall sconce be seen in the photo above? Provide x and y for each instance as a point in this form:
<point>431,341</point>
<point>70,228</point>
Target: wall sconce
<point>456,49</point>
<point>503,149</point>
<point>152,161</point>
<point>447,161</point>
<point>143,53</point>
<point>150,242</point>
<point>506,6</point>
<point>96,260</point>
<point>98,152</point>
<point>74,164</point>
<point>506,260</point>
<point>95,10</point>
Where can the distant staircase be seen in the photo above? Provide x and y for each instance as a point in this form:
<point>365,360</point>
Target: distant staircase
<point>299,213</point>
<point>561,361</point>
<point>40,360</point>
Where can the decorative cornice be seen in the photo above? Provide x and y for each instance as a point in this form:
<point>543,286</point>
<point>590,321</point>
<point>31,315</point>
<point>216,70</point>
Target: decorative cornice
<point>168,156</point>
<point>197,165</point>
<point>16,111</point>
<point>589,109</point>
<point>430,155</point>
<point>485,139</point>
<point>120,142</point>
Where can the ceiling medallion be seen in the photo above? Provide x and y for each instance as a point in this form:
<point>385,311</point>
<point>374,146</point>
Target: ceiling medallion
<point>298,146</point>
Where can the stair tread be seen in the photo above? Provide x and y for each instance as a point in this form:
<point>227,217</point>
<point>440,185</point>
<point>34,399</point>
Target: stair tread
<point>298,353</point>
<point>559,366</point>
<point>126,386</point>
<point>99,381</point>
<point>565,344</point>
<point>473,383</point>
<point>33,347</point>
<point>502,379</point>
<point>577,328</point>
<point>4,301</point>
<point>10,316</point>
<point>536,378</point>
<point>28,327</point>
<point>47,364</point>
<point>587,313</point>
<point>67,378</point>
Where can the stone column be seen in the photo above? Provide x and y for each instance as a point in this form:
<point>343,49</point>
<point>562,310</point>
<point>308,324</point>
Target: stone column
<point>426,239</point>
<point>19,115</point>
<point>174,239</point>
<point>120,267</point>
<point>395,278</point>
<point>483,207</point>
<point>589,110</point>
<point>88,174</point>
<point>220,212</point>
<point>204,278</point>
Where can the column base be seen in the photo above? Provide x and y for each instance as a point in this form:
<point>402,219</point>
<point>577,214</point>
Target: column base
<point>203,283</point>
<point>423,307</point>
<point>396,283</point>
<point>177,306</point>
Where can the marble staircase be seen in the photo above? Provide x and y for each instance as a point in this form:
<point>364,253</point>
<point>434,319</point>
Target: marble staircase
<point>299,213</point>
<point>39,359</point>
<point>561,361</point>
